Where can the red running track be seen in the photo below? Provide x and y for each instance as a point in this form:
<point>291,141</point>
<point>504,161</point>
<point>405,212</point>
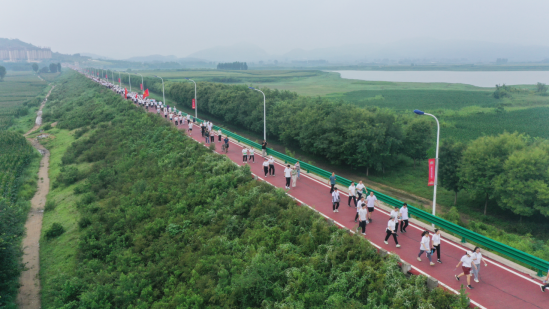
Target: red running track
<point>499,286</point>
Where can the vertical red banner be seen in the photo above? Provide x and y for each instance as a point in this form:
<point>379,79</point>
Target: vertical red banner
<point>125,93</point>
<point>431,172</point>
<point>193,103</point>
<point>106,76</point>
<point>119,80</point>
<point>140,86</point>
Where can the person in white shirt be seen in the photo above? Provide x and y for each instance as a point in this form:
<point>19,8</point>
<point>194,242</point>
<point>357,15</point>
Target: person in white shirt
<point>251,154</point>
<point>265,165</point>
<point>436,242</point>
<point>425,247</point>
<point>351,191</point>
<point>466,262</point>
<point>287,173</point>
<point>190,127</point>
<point>371,201</point>
<point>359,206</point>
<point>404,218</point>
<point>212,137</point>
<point>396,214</point>
<point>335,200</point>
<point>363,218</point>
<point>271,162</point>
<point>477,259</point>
<point>390,231</point>
<point>245,154</point>
<point>359,189</point>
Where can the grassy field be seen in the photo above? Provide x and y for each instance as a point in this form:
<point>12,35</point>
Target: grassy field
<point>18,87</point>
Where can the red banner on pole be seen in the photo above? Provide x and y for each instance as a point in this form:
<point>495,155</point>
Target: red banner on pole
<point>146,93</point>
<point>140,86</point>
<point>119,80</point>
<point>125,93</point>
<point>106,76</point>
<point>431,172</point>
<point>193,103</point>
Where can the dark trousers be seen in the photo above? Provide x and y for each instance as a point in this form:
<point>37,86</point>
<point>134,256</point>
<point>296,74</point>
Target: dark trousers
<point>212,138</point>
<point>271,169</point>
<point>219,138</point>
<point>331,188</point>
<point>404,224</point>
<point>356,216</point>
<point>359,195</point>
<point>251,157</point>
<point>396,226</point>
<point>390,233</point>
<point>438,250</point>
<point>287,181</point>
<point>363,225</point>
<point>335,205</point>
<point>354,200</point>
<point>265,170</point>
<point>244,158</point>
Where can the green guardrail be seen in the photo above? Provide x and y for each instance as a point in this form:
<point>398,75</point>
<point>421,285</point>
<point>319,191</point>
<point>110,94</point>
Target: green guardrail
<point>533,261</point>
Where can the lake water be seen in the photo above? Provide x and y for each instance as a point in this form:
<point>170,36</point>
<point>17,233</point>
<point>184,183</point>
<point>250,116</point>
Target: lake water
<point>476,78</point>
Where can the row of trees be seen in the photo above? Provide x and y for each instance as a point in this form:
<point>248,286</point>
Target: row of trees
<point>511,169</point>
<point>2,73</point>
<point>52,68</point>
<point>232,66</point>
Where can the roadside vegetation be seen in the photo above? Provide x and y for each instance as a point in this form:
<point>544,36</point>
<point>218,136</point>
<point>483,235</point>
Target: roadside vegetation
<point>152,219</point>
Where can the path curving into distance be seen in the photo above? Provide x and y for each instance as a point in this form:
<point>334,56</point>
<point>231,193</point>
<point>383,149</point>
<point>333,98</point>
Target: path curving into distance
<point>29,289</point>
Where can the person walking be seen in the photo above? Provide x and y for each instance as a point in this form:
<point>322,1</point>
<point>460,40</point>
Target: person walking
<point>466,262</point>
<point>351,191</point>
<point>251,154</point>
<point>219,135</point>
<point>404,218</point>
<point>190,128</point>
<point>436,244</point>
<point>390,231</point>
<point>359,189</point>
<point>206,137</point>
<point>395,212</point>
<point>371,201</point>
<point>245,154</point>
<point>332,182</point>
<point>360,205</point>
<point>545,282</point>
<point>477,259</point>
<point>212,137</point>
<point>287,172</point>
<point>202,129</point>
<point>226,144</point>
<point>425,247</point>
<point>335,200</point>
<point>362,213</point>
<point>264,149</point>
<point>265,165</point>
<point>297,168</point>
<point>294,176</point>
<point>271,162</point>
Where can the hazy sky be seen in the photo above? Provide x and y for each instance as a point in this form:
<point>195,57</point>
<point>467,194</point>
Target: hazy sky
<point>126,28</point>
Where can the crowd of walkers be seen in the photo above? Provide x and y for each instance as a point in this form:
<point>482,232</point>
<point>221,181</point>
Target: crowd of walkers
<point>470,263</point>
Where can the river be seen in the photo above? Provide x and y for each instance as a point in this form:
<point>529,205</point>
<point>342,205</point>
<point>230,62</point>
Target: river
<point>475,78</point>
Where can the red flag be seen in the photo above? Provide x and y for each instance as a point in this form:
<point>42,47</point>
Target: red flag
<point>106,76</point>
<point>140,86</point>
<point>431,172</point>
<point>146,93</point>
<point>136,95</point>
<point>119,80</point>
<point>125,93</point>
<point>193,101</point>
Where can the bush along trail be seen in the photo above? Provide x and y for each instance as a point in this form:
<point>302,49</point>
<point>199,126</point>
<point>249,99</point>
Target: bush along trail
<point>29,290</point>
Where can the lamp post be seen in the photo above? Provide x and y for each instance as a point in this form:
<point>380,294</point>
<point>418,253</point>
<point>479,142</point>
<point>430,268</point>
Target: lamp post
<point>195,96</point>
<point>129,81</point>
<point>142,90</point>
<point>163,99</point>
<point>119,83</point>
<point>419,112</point>
<point>113,75</point>
<point>264,107</point>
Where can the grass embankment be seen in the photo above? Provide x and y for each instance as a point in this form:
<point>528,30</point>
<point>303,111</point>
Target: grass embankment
<point>165,223</point>
<point>19,162</point>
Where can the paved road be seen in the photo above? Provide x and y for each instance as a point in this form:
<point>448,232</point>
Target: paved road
<point>499,286</point>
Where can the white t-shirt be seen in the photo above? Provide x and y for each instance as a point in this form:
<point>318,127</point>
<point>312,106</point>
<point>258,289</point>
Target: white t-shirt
<point>271,161</point>
<point>265,164</point>
<point>466,261</point>
<point>370,201</point>
<point>477,258</point>
<point>351,190</point>
<point>391,225</point>
<point>188,116</point>
<point>395,214</point>
<point>287,172</point>
<point>244,152</point>
<point>436,239</point>
<point>359,205</point>
<point>335,196</point>
<point>251,151</point>
<point>363,214</point>
<point>360,188</point>
<point>190,125</point>
<point>404,213</point>
<point>425,243</point>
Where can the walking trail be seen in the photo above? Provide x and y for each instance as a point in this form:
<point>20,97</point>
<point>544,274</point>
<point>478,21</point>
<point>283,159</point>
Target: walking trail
<point>29,289</point>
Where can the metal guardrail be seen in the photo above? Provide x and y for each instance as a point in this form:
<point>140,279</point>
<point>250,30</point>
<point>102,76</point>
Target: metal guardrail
<point>533,261</point>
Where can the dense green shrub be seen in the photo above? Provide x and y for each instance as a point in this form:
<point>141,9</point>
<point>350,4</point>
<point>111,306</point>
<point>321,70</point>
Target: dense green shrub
<point>55,230</point>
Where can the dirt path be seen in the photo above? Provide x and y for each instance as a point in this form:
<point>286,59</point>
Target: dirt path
<point>29,290</point>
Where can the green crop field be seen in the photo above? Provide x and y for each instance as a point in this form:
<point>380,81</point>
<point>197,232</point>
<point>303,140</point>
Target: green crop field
<point>18,87</point>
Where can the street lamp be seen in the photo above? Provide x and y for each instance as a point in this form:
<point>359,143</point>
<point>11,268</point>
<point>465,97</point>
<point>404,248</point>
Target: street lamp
<point>129,81</point>
<point>264,107</point>
<point>119,83</point>
<point>163,99</point>
<point>143,90</point>
<point>195,96</point>
<point>419,112</point>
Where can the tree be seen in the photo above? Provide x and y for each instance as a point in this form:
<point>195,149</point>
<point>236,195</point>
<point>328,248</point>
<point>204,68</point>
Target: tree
<point>483,161</point>
<point>2,72</point>
<point>53,67</point>
<point>418,138</point>
<point>58,67</point>
<point>35,67</point>
<point>44,70</point>
<point>523,186</point>
<point>450,154</point>
<point>542,87</point>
